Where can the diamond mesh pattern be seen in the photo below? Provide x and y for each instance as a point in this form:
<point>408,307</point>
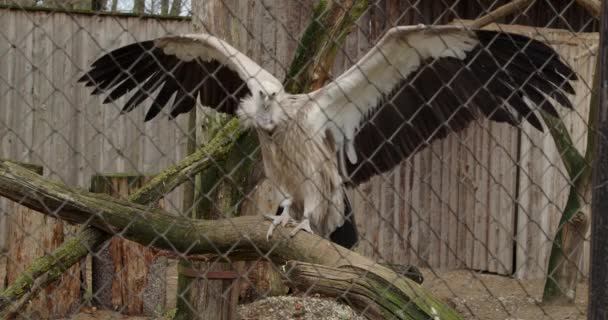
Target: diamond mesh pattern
<point>473,214</point>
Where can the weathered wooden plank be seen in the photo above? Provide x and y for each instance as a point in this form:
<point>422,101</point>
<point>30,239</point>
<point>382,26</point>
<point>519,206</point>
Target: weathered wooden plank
<point>89,138</point>
<point>446,195</point>
<point>481,197</point>
<point>466,194</point>
<point>501,209</point>
<point>435,204</point>
<point>5,135</point>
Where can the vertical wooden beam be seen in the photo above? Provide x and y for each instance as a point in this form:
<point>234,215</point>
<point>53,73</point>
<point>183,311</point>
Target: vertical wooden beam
<point>127,276</point>
<point>206,290</point>
<point>29,236</point>
<point>598,279</point>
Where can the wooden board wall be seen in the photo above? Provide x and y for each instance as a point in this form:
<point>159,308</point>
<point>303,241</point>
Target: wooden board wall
<point>49,119</point>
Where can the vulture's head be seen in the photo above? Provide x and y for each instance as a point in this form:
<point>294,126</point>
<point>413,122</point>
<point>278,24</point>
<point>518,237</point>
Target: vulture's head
<point>262,109</point>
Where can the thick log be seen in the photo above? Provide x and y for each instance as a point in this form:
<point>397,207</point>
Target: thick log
<point>352,285</point>
<point>127,276</point>
<point>236,238</point>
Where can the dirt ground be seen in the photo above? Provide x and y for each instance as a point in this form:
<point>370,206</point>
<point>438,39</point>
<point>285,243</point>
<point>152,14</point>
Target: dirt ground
<point>474,295</point>
<point>485,296</point>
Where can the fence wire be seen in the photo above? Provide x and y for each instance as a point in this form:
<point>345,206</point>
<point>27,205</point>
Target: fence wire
<point>471,215</point>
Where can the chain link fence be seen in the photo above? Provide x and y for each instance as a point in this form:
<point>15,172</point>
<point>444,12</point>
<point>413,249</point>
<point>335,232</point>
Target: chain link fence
<point>491,220</point>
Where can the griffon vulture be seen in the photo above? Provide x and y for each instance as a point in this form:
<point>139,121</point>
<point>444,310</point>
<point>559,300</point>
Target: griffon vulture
<point>417,84</point>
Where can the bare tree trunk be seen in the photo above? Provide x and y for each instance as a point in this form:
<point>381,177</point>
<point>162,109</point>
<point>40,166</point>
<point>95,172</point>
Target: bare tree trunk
<point>21,3</point>
<point>98,5</point>
<point>152,6</point>
<point>164,7</point>
<point>139,6</point>
<point>176,8</point>
<point>114,6</point>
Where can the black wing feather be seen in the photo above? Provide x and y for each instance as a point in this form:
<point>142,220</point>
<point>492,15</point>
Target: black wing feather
<point>447,94</point>
<point>143,68</point>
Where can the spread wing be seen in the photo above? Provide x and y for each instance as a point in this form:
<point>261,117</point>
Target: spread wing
<point>179,67</point>
<point>420,83</point>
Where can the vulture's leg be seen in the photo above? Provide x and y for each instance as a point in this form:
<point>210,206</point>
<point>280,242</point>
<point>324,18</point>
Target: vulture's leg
<point>304,224</point>
<point>283,219</point>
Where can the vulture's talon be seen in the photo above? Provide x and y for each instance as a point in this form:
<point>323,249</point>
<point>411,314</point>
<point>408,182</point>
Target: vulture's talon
<point>269,233</point>
<point>304,225</point>
<point>283,219</point>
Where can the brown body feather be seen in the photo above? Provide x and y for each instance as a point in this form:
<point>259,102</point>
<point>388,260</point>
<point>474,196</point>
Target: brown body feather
<point>303,166</point>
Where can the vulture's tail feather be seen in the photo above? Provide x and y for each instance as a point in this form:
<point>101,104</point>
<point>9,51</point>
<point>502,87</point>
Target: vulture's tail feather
<point>346,235</point>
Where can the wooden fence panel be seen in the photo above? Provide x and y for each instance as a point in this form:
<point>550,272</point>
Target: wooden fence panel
<point>47,118</point>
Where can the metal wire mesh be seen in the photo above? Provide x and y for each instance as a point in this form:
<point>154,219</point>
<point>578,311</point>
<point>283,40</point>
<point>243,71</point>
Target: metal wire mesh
<point>474,214</point>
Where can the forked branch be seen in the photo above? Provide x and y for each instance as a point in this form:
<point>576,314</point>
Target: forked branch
<point>237,238</point>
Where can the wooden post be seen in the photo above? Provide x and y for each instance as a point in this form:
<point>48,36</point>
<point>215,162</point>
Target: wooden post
<point>29,236</point>
<point>206,290</point>
<point>126,276</point>
<point>598,278</point>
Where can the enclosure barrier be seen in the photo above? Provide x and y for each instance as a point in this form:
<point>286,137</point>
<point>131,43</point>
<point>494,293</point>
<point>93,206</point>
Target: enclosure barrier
<point>489,222</point>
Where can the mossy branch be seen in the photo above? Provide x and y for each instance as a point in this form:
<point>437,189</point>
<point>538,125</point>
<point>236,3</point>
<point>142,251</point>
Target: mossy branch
<point>47,269</point>
<point>239,237</point>
<point>331,23</point>
<point>354,285</point>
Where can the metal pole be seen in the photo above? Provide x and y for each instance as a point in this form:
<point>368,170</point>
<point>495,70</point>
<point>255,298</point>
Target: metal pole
<point>598,286</point>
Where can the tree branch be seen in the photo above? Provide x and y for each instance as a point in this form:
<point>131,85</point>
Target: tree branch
<point>49,268</point>
<point>45,270</point>
<point>498,13</point>
<point>592,6</point>
<point>242,237</point>
<point>314,58</point>
<point>352,285</point>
